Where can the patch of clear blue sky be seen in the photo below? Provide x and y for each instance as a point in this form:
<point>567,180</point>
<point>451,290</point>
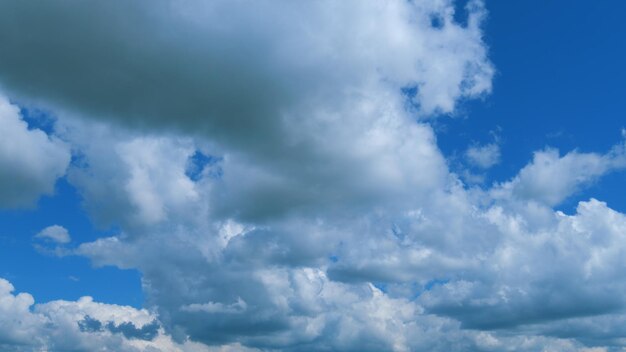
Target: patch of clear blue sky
<point>48,277</point>
<point>199,161</point>
<point>560,82</point>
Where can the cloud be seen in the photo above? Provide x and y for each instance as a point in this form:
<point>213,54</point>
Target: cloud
<point>465,258</point>
<point>315,86</point>
<point>55,233</point>
<point>484,156</point>
<point>214,70</point>
<point>30,160</point>
<point>212,307</point>
<point>18,326</point>
<point>323,216</point>
<point>551,178</point>
<point>77,326</point>
<point>493,276</point>
<point>567,268</point>
<point>129,179</point>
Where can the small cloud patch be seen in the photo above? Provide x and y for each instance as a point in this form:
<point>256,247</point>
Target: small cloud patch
<point>55,233</point>
<point>483,156</point>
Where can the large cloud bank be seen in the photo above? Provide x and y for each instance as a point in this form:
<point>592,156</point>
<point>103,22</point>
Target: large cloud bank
<point>278,183</point>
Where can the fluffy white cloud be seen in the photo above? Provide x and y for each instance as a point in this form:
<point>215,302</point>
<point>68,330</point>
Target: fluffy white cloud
<point>567,267</point>
<point>17,325</point>
<point>551,178</point>
<point>461,258</point>
<point>134,180</point>
<point>30,160</point>
<point>55,233</point>
<point>82,325</point>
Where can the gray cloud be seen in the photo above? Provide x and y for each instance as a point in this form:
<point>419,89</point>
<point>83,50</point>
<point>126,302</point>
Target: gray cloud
<point>272,85</point>
<point>30,160</point>
<point>130,331</point>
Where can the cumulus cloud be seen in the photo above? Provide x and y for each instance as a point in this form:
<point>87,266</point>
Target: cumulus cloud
<point>316,85</point>
<point>30,160</point>
<point>323,215</point>
<point>551,178</point>
<point>55,233</point>
<point>78,326</point>
<point>134,180</point>
<point>466,259</point>
<point>566,268</point>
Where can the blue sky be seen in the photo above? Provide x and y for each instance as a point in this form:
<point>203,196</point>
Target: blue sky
<point>50,278</point>
<point>213,192</point>
<point>559,83</point>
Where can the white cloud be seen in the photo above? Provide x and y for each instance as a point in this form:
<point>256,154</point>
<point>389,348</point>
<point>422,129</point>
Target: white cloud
<point>541,271</point>
<point>17,325</point>
<point>136,180</point>
<point>551,178</point>
<point>483,156</point>
<point>30,161</point>
<point>493,261</point>
<point>55,233</point>
<point>82,325</point>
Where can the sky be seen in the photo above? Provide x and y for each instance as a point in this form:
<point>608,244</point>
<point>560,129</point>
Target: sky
<point>428,175</point>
